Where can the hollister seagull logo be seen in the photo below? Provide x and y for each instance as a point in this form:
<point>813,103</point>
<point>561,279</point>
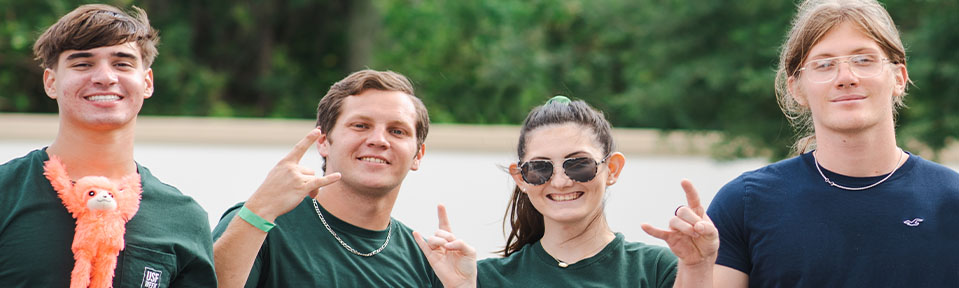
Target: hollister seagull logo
<point>913,222</point>
<point>151,278</point>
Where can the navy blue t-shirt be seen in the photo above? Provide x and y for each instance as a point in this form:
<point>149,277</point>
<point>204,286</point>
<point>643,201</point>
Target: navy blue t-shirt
<point>785,227</point>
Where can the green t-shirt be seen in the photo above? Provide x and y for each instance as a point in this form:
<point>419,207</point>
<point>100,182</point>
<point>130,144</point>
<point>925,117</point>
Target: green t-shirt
<point>620,264</point>
<point>301,252</point>
<point>168,241</point>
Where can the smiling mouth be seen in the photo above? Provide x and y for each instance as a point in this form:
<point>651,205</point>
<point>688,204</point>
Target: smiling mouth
<point>848,98</point>
<point>373,160</point>
<point>565,196</point>
<point>102,98</point>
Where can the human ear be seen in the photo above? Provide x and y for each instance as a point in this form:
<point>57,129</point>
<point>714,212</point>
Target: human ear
<point>419,156</point>
<point>902,79</point>
<point>615,163</point>
<point>517,177</point>
<point>148,80</point>
<point>323,144</point>
<point>793,89</point>
<point>49,83</point>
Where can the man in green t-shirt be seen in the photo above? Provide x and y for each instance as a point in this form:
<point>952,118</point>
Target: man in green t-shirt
<point>96,62</point>
<point>292,233</point>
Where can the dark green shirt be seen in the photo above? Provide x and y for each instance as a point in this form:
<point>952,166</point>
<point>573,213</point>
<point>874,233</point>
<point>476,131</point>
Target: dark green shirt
<point>301,252</point>
<point>620,264</point>
<point>168,241</point>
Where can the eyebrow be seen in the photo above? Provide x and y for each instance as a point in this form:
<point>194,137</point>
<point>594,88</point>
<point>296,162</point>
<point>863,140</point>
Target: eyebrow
<point>79,55</point>
<point>568,156</point>
<point>124,55</point>
<point>88,55</point>
<point>863,50</point>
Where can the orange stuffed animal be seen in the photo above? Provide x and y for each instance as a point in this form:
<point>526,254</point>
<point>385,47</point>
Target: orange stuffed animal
<point>102,209</point>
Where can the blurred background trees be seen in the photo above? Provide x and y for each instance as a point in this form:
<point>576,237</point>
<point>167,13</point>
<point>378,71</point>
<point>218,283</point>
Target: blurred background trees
<point>700,65</point>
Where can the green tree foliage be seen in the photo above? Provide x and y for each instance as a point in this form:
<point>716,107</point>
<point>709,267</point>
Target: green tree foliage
<point>705,65</point>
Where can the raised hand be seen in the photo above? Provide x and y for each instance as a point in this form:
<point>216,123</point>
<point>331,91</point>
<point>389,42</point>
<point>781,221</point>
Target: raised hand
<point>691,235</point>
<point>453,261</point>
<point>288,183</point>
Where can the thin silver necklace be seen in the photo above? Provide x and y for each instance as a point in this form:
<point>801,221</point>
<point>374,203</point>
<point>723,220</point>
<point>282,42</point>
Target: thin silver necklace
<point>563,264</point>
<point>833,184</point>
<point>348,248</point>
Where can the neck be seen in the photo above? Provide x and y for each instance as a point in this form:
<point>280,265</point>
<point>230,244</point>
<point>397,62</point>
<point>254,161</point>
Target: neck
<point>573,242</point>
<point>863,154</point>
<point>356,208</point>
<point>95,153</point>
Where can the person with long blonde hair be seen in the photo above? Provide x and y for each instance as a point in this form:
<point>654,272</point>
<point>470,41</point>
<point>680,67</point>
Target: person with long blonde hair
<point>853,209</point>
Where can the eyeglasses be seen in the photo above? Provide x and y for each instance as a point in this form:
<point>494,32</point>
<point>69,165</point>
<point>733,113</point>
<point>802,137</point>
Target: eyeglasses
<point>538,172</point>
<point>861,65</point>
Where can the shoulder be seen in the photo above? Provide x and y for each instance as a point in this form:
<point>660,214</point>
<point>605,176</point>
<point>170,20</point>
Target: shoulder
<point>650,255</point>
<point>167,204</point>
<point>496,265</point>
<point>771,175</point>
<point>932,170</point>
<point>17,168</point>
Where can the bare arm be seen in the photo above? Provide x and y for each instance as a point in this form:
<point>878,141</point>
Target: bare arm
<point>284,188</point>
<point>235,251</point>
<point>728,277</point>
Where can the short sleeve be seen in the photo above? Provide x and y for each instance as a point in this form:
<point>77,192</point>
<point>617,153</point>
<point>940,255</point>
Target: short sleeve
<point>727,211</point>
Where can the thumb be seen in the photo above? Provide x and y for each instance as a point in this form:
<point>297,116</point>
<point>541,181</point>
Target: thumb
<point>655,232</point>
<point>318,182</point>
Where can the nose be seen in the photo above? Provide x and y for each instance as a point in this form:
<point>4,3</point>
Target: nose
<point>559,179</point>
<point>377,139</point>
<point>845,77</point>
<point>104,75</point>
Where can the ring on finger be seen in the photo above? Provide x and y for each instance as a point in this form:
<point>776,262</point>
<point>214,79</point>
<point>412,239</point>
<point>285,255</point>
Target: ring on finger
<point>676,212</point>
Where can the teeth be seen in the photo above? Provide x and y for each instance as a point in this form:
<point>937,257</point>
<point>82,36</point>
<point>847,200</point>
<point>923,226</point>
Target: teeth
<point>103,98</point>
<point>372,159</point>
<point>565,197</point>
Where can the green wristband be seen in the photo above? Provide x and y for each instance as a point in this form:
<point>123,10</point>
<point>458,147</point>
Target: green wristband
<point>255,220</point>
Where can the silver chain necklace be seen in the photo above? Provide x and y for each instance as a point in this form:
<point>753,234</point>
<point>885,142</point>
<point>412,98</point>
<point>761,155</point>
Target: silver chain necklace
<point>348,248</point>
<point>833,184</point>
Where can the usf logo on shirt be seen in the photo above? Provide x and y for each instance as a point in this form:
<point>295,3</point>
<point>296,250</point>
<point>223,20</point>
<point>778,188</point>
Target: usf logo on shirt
<point>151,278</point>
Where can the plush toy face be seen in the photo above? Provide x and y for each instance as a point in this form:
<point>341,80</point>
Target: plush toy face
<point>97,193</point>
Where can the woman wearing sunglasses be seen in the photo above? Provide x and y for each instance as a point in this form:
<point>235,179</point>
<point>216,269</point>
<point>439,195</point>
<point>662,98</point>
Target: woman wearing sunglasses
<point>559,235</point>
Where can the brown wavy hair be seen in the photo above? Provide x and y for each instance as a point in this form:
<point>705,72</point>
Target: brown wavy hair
<point>97,25</point>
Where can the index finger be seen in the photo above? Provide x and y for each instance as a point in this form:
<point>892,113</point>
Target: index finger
<point>692,197</point>
<point>302,146</point>
<point>444,221</point>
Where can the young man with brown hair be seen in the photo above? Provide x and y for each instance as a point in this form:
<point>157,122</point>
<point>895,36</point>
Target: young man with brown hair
<point>96,62</point>
<point>371,129</point>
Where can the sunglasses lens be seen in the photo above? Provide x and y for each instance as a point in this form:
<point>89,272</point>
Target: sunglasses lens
<point>580,169</point>
<point>537,172</point>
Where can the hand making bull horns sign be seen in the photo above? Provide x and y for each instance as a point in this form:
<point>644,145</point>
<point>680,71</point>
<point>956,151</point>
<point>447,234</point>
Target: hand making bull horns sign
<point>453,261</point>
<point>288,182</point>
<point>286,185</point>
<point>692,236</point>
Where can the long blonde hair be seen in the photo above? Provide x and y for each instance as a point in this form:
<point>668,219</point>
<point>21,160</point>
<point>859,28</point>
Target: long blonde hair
<point>814,19</point>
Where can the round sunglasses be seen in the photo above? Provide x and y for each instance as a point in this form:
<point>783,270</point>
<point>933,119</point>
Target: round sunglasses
<point>538,172</point>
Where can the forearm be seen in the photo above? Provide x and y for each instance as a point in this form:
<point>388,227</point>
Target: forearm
<point>700,275</point>
<point>235,252</point>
